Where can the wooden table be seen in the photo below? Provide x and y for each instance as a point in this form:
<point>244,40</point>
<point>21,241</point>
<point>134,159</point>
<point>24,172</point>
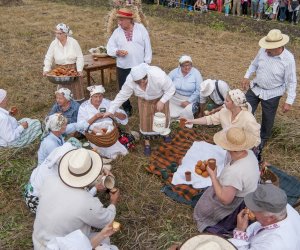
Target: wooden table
<point>102,63</point>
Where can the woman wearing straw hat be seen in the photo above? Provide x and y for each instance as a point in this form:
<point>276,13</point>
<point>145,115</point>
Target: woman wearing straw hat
<point>130,43</point>
<point>237,112</point>
<point>65,51</point>
<point>187,80</point>
<point>217,208</point>
<point>154,89</point>
<point>275,70</point>
<point>65,105</point>
<point>92,111</point>
<point>65,205</point>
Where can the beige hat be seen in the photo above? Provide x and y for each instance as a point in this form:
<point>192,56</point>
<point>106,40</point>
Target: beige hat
<point>125,13</point>
<point>80,167</point>
<point>275,39</point>
<point>207,87</point>
<point>207,242</point>
<point>235,139</point>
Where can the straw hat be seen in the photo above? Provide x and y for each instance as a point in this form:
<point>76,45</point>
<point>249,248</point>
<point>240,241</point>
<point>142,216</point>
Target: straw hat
<point>207,87</point>
<point>207,242</point>
<point>235,139</point>
<point>125,13</point>
<point>274,39</point>
<point>80,167</point>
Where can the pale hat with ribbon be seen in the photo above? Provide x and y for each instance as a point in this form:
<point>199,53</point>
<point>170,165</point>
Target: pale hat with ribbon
<point>235,139</point>
<point>80,167</point>
<point>65,92</point>
<point>96,89</point>
<point>3,94</point>
<point>207,242</point>
<point>207,87</point>
<point>64,28</point>
<point>185,58</point>
<point>139,72</point>
<point>125,13</point>
<point>274,39</point>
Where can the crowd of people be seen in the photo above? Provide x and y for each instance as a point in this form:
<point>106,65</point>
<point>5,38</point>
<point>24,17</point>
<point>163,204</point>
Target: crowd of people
<point>281,10</point>
<point>62,188</point>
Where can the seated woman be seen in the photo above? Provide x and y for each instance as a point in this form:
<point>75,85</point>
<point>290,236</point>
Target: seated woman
<point>56,126</point>
<point>216,91</point>
<point>200,5</point>
<point>65,105</point>
<point>217,208</point>
<point>13,133</point>
<point>92,112</point>
<point>237,112</point>
<point>187,80</point>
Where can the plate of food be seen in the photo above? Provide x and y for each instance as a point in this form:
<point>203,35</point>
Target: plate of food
<point>62,75</point>
<point>99,51</point>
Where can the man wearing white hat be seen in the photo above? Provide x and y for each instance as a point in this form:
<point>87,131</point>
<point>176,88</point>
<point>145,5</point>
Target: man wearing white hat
<point>216,90</point>
<point>275,70</point>
<point>154,88</point>
<point>65,205</point>
<point>130,44</point>
<point>187,80</point>
<point>15,133</point>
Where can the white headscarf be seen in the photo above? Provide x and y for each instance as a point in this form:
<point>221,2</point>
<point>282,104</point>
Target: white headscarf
<point>139,72</point>
<point>185,58</point>
<point>3,94</point>
<point>239,99</point>
<point>55,122</point>
<point>96,89</point>
<point>66,92</point>
<point>64,28</point>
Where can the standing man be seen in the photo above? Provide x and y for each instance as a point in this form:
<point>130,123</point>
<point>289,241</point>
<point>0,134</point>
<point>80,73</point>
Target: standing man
<point>275,70</point>
<point>130,43</point>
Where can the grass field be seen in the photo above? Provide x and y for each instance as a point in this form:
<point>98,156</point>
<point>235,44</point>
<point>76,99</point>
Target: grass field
<point>150,220</point>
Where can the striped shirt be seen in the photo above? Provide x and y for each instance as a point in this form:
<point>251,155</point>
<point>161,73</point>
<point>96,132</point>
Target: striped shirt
<point>274,75</point>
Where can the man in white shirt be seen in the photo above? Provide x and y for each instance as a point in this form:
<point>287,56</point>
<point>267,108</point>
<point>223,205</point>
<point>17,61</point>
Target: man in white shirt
<point>275,70</point>
<point>15,133</point>
<point>277,226</point>
<point>130,43</point>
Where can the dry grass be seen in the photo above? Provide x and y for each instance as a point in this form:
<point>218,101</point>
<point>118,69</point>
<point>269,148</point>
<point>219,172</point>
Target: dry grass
<point>150,219</point>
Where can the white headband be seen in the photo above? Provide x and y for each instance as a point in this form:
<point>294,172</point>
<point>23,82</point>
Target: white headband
<point>3,94</point>
<point>238,97</point>
<point>96,89</point>
<point>65,92</point>
<point>185,58</point>
<point>55,122</point>
<point>64,28</point>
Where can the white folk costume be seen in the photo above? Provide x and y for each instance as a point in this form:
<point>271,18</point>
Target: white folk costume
<point>69,55</point>
<point>159,88</point>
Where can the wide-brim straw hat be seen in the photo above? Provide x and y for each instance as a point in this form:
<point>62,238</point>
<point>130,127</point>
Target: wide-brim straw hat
<point>207,242</point>
<point>125,13</point>
<point>274,39</point>
<point>80,167</point>
<point>235,139</point>
<point>207,87</point>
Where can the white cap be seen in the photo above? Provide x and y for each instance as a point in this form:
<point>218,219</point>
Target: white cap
<point>139,72</point>
<point>96,89</point>
<point>207,87</point>
<point>185,58</point>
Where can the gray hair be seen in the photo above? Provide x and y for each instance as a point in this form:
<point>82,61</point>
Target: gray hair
<point>279,216</point>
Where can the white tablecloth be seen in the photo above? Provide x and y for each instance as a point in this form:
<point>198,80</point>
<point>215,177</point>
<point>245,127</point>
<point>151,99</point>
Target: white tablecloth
<point>199,151</point>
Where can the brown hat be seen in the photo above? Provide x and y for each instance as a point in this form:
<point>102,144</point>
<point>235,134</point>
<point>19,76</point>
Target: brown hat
<point>266,198</point>
<point>235,139</point>
<point>125,13</point>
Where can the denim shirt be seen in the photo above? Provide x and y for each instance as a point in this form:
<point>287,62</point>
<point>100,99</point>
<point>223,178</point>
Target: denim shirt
<point>188,85</point>
<point>71,113</point>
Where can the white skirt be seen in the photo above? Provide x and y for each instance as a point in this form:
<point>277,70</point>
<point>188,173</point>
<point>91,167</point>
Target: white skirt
<point>177,111</point>
<point>111,152</point>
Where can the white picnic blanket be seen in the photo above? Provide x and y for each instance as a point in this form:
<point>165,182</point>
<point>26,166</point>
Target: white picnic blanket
<point>199,151</point>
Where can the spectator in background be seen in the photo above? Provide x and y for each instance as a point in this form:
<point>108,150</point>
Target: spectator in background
<point>236,7</point>
<point>200,5</point>
<point>65,105</point>
<point>219,4</point>
<point>294,7</point>
<point>260,10</point>
<point>254,4</point>
<point>227,5</point>
<point>186,79</point>
<point>282,10</point>
<point>245,7</point>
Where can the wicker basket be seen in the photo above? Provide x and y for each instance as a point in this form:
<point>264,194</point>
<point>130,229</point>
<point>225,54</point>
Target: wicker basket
<point>268,177</point>
<point>106,140</point>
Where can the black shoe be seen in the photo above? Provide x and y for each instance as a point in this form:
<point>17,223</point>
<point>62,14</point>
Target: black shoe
<point>128,112</point>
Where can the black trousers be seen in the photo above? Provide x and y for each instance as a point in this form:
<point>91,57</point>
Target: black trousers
<point>269,108</point>
<point>122,74</point>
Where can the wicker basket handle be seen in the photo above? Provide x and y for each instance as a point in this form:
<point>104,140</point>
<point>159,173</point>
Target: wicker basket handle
<point>112,118</point>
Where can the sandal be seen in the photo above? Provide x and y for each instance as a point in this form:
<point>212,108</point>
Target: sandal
<point>147,150</point>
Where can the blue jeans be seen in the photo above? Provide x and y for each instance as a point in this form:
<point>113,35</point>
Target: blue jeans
<point>282,14</point>
<point>253,8</point>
